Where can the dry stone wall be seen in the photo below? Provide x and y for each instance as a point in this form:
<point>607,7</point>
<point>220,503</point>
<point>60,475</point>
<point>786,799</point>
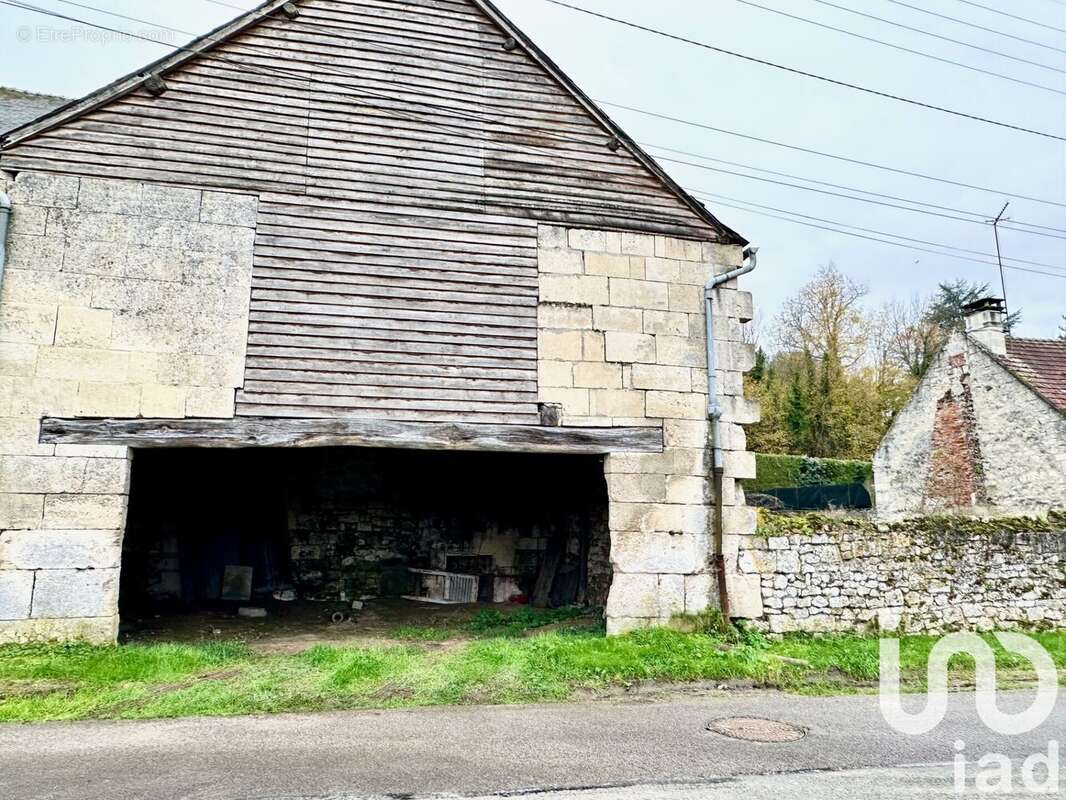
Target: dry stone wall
<point>920,575</point>
<point>119,299</point>
<point>622,342</point>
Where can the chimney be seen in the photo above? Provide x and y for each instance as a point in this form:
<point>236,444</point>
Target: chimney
<point>985,323</point>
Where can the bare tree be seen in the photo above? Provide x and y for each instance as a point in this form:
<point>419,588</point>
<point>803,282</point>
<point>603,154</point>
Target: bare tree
<point>912,335</point>
<point>826,316</point>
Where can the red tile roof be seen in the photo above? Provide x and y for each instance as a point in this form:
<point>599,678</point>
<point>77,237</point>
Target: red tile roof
<point>1041,363</point>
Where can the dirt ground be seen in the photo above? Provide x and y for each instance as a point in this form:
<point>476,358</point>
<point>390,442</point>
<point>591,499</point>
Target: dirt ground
<point>295,626</point>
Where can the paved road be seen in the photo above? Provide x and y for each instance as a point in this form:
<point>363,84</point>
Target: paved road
<point>633,750</point>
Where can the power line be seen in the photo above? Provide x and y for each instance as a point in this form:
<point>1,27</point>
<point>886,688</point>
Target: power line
<point>885,241</point>
<point>846,159</point>
<point>943,38</point>
<point>968,24</point>
<point>979,217</point>
<point>562,139</point>
<point>1037,23</point>
<point>706,193</point>
<point>18,4</point>
<point>921,53</point>
<point>805,74</point>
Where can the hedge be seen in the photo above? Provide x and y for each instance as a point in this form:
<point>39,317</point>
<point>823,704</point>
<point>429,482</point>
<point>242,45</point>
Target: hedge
<point>776,471</point>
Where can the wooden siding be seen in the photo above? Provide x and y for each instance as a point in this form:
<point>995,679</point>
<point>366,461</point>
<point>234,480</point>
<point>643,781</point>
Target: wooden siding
<point>403,159</point>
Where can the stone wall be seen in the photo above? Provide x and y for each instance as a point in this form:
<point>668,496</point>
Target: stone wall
<point>972,436</point>
<point>622,342</point>
<point>919,575</point>
<point>119,299</point>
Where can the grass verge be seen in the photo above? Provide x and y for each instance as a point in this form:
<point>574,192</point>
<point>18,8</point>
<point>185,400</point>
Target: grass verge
<point>66,682</point>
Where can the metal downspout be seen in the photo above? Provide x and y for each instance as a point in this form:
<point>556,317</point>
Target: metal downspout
<point>714,414</point>
<point>5,218</point>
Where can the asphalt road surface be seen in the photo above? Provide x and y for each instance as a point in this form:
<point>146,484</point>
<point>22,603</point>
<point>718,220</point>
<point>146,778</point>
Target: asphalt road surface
<point>634,749</point>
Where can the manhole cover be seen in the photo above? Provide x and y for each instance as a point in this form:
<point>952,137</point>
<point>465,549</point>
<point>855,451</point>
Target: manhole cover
<point>754,729</point>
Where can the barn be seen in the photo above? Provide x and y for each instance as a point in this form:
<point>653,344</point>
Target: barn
<point>355,300</point>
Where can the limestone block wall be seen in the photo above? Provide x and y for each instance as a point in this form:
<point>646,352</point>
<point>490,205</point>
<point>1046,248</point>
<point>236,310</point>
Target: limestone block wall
<point>918,575</point>
<point>119,299</point>
<point>972,436</point>
<point>622,342</point>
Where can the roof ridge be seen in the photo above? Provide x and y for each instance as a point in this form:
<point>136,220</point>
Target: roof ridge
<point>27,92</point>
<point>1036,339</point>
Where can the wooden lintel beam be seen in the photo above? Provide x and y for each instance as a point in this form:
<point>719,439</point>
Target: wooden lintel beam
<point>280,432</point>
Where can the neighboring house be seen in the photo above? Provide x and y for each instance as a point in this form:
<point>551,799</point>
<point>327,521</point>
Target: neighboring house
<point>18,107</point>
<point>985,429</point>
<point>285,272</point>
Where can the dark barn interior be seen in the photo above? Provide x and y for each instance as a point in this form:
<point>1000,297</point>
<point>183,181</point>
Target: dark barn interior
<point>220,529</point>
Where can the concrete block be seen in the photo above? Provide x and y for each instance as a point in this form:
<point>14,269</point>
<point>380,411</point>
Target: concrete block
<point>109,400</point>
<point>60,549</point>
<point>553,373</point>
<point>107,476</point>
<point>630,347</point>
<point>617,403</point>
<point>582,289</point>
<point>21,511</point>
<point>84,511</point>
<point>688,490</point>
<point>633,596</point>
<point>41,189</point>
<point>745,596</point>
<point>666,270</point>
<point>92,630</point>
<point>681,249</point>
<point>676,405</point>
<point>740,464</point>
<point>16,593</point>
<point>593,346</point>
<point>111,196</point>
<point>631,293</point>
<point>93,451</point>
<point>144,262</point>
<point>170,202</point>
<point>34,324</point>
<point>83,327</point>
<point>551,236</point>
<point>564,315</point>
<point>570,262</point>
<point>224,208</point>
<point>33,287</point>
<point>680,351</point>
<point>163,402</point>
<point>669,323</point>
<point>41,474</point>
<point>35,253</point>
<point>599,241</point>
<point>609,318</point>
<point>19,437</point>
<point>638,244</point>
<point>559,345</point>
<point>659,552</point>
<point>210,402</point>
<point>103,258</point>
<point>575,402</point>
<point>81,364</point>
<point>687,299</point>
<point>637,488</point>
<point>701,593</point>
<point>658,518</point>
<point>28,221</point>
<point>609,264</point>
<point>599,375</point>
<point>653,376</point>
<point>686,433</point>
<point>619,626</point>
<point>75,593</point>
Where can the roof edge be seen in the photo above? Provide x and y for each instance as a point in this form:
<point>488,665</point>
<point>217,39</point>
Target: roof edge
<point>133,80</point>
<point>605,120</point>
<point>1009,369</point>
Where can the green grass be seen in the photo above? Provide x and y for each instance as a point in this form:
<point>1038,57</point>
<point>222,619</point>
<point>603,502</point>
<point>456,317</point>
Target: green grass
<point>495,665</point>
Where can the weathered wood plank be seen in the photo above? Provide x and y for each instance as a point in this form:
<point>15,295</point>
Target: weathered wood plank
<point>259,432</point>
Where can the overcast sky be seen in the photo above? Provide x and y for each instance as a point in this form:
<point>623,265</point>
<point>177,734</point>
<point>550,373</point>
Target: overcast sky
<point>622,65</point>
